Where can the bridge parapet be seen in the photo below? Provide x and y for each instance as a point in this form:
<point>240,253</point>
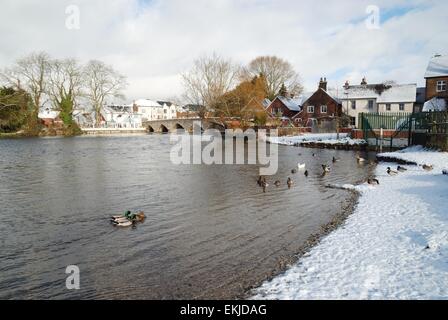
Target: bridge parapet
<point>171,125</point>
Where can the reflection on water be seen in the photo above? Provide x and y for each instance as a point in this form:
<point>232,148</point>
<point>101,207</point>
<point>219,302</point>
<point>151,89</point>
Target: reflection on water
<point>210,231</point>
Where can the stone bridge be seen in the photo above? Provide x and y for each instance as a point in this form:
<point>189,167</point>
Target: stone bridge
<point>171,125</point>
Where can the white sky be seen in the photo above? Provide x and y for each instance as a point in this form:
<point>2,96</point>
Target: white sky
<point>153,41</point>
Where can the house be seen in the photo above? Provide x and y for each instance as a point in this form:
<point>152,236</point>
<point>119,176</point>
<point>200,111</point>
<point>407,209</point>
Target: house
<point>322,105</point>
<point>437,81</point>
<point>382,97</point>
<point>285,107</point>
<point>83,118</point>
<point>153,110</point>
<point>49,117</point>
<point>120,116</point>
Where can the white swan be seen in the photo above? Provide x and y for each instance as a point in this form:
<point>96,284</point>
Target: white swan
<point>301,166</point>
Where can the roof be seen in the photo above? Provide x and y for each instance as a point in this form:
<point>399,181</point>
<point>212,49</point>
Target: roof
<point>266,102</point>
<point>168,103</point>
<point>437,67</point>
<point>147,103</point>
<point>435,104</point>
<point>294,104</point>
<point>383,93</point>
<point>48,113</point>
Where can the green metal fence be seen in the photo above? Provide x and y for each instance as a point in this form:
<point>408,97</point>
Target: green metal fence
<point>387,121</point>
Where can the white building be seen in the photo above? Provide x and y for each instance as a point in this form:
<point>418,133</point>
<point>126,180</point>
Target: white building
<point>381,97</point>
<point>120,116</point>
<point>153,110</point>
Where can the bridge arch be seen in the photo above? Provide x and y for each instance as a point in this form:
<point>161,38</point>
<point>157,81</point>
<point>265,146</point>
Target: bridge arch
<point>164,129</point>
<point>179,126</point>
<point>150,129</point>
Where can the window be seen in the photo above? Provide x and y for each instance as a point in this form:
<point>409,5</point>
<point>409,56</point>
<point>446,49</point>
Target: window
<point>353,103</point>
<point>323,109</point>
<point>371,102</point>
<point>401,106</point>
<point>353,121</point>
<point>388,107</point>
<point>310,109</point>
<point>441,86</point>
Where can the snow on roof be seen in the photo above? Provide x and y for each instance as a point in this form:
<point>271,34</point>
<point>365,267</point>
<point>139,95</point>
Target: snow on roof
<point>266,102</point>
<point>295,104</point>
<point>383,93</point>
<point>147,103</point>
<point>48,113</point>
<point>437,67</point>
<point>435,104</point>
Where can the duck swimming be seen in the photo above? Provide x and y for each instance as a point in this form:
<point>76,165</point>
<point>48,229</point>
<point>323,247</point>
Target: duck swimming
<point>301,166</point>
<point>445,172</point>
<point>391,172</point>
<point>293,171</point>
<point>401,169</point>
<point>277,183</point>
<point>373,182</point>
<point>428,167</point>
<point>326,168</point>
<point>128,219</point>
<point>306,173</point>
<point>359,159</point>
<point>335,160</point>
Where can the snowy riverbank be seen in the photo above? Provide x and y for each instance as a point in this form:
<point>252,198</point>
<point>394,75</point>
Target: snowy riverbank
<point>323,138</point>
<point>394,246</point>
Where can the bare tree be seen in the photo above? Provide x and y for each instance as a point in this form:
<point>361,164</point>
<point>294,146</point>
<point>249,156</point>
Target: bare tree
<point>65,83</point>
<point>30,74</point>
<point>278,72</point>
<point>102,82</point>
<point>210,78</point>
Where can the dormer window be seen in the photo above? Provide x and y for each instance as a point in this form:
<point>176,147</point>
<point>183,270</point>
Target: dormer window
<point>441,86</point>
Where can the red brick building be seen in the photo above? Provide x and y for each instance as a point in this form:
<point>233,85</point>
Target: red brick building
<point>284,107</point>
<point>319,106</point>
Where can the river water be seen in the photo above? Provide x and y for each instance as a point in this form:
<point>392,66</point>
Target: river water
<point>210,231</point>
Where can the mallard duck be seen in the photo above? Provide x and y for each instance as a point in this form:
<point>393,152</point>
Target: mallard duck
<point>264,185</point>
<point>306,173</point>
<point>373,181</point>
<point>289,183</point>
<point>428,167</point>
<point>391,172</point>
<point>326,168</point>
<point>401,169</point>
<point>335,160</point>
<point>277,183</point>
<point>445,172</point>
<point>293,171</point>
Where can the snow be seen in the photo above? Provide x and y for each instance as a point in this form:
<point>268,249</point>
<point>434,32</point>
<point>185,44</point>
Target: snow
<point>147,103</point>
<point>437,67</point>
<point>327,138</point>
<point>435,104</point>
<point>48,113</point>
<point>394,246</point>
<point>396,93</point>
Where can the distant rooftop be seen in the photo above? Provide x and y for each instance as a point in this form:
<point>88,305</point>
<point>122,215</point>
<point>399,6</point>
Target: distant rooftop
<point>437,67</point>
<point>383,93</point>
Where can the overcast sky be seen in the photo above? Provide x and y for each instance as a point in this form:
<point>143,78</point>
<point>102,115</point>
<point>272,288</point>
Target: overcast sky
<point>153,41</point>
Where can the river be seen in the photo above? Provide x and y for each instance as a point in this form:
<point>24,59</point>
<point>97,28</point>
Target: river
<point>210,231</point>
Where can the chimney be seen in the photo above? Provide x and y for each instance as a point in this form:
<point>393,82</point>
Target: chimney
<point>364,81</point>
<point>347,84</point>
<point>323,84</point>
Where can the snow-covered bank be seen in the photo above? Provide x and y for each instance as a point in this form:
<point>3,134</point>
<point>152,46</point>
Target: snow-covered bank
<point>394,246</point>
<point>292,140</point>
